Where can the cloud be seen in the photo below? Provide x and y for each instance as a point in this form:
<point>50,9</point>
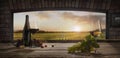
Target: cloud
<point>42,15</point>
<point>71,16</point>
<point>91,19</point>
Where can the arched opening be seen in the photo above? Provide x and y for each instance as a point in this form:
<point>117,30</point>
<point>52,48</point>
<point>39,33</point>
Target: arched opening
<point>61,24</point>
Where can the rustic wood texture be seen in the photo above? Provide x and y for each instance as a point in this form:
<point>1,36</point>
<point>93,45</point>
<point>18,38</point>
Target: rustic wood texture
<point>7,7</point>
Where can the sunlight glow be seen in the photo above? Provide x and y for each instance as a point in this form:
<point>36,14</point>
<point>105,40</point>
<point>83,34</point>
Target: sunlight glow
<point>76,29</point>
<point>60,20</point>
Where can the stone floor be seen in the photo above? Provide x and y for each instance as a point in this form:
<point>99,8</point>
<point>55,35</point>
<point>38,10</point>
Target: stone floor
<point>106,50</point>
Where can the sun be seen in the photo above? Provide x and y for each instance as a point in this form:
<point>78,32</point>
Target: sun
<point>76,29</point>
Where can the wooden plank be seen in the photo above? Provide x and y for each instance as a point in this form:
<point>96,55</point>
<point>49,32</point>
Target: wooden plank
<point>88,4</point>
<point>92,4</point>
<point>43,3</point>
<point>28,4</point>
<point>53,3</point>
<point>39,4</point>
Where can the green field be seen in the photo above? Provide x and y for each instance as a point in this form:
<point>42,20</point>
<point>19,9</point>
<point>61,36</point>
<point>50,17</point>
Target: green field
<point>55,36</point>
<point>58,36</point>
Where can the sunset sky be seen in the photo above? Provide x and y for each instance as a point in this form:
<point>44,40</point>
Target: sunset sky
<point>60,20</point>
